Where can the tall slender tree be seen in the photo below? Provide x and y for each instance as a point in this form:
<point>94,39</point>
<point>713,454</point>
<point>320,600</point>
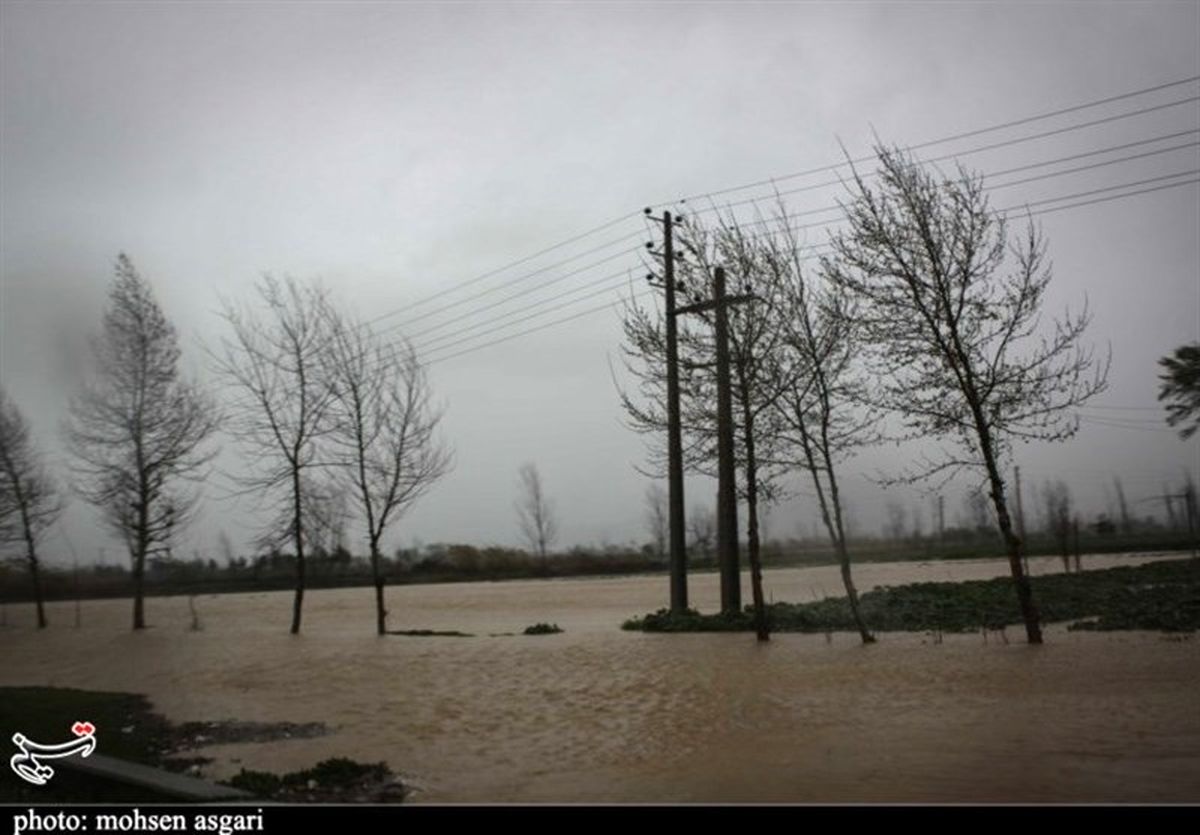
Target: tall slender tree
<point>822,393</point>
<point>951,308</point>
<point>384,439</point>
<point>274,364</point>
<point>139,430</point>
<point>29,502</point>
<point>535,513</point>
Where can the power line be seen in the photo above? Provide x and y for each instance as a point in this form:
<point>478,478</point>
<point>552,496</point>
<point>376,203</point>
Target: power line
<point>1109,188</point>
<point>524,292</point>
<point>644,293</point>
<point>1112,425</point>
<point>968,134</point>
<point>828,224</point>
<point>526,259</point>
<point>477,311</point>
<point>582,313</point>
<point>1046,176</point>
<point>527,276</point>
<point>1012,123</point>
<point>956,155</point>
<point>478,333</point>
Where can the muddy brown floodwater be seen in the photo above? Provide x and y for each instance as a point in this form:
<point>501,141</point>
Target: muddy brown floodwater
<point>600,715</point>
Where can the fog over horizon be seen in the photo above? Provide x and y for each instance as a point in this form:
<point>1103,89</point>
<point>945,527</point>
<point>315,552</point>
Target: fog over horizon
<point>427,162</point>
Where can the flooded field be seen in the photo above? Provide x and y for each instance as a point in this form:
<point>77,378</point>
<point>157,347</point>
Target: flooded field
<point>596,714</point>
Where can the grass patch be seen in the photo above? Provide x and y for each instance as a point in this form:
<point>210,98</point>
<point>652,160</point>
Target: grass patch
<point>1161,596</point>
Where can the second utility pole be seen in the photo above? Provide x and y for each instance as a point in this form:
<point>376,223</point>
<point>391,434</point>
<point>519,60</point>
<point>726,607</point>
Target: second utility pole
<point>727,541</point>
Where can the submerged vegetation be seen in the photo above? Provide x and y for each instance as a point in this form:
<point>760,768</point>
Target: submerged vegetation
<point>329,780</point>
<point>543,629</point>
<point>1163,596</point>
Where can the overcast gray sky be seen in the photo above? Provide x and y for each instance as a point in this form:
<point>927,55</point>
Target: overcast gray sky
<point>397,150</point>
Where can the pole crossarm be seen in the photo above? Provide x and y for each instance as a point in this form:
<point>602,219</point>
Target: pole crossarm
<point>711,304</point>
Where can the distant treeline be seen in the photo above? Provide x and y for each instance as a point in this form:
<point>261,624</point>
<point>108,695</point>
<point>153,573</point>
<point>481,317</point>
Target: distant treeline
<point>439,563</point>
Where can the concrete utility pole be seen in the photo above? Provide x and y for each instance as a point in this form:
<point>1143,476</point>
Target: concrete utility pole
<point>727,540</point>
<point>678,541</point>
<point>727,543</point>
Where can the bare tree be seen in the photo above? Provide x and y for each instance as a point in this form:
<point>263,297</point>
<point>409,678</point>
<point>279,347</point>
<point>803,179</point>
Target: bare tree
<point>950,329</point>
<point>29,502</point>
<point>975,505</point>
<point>1179,388</point>
<point>280,403</point>
<point>820,394</point>
<point>1123,506</point>
<point>535,513</point>
<point>702,526</point>
<point>384,432</point>
<point>1056,514</point>
<point>895,528</point>
<point>138,428</point>
<point>918,523</point>
<point>326,515</point>
<point>656,520</point>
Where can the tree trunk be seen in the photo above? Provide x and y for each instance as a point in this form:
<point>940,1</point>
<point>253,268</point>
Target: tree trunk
<point>139,567</point>
<point>298,537</point>
<point>1012,542</point>
<point>852,593</point>
<point>37,591</point>
<point>139,608</point>
<point>837,531</point>
<point>33,562</point>
<point>833,521</point>
<point>1014,547</point>
<point>380,611</point>
<point>761,628</point>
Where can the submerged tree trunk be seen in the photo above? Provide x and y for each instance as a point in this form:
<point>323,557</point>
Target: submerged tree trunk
<point>139,608</point>
<point>298,538</point>
<point>380,611</point>
<point>761,627</point>
<point>1012,542</point>
<point>37,588</point>
<point>142,545</point>
<point>31,551</point>
<point>833,523</point>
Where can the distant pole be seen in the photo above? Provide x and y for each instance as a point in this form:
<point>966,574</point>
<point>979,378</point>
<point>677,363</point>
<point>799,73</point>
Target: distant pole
<point>78,610</point>
<point>1172,523</point>
<point>941,517</point>
<point>1189,500</point>
<point>1075,537</point>
<point>1020,507</point>
<point>1024,548</point>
